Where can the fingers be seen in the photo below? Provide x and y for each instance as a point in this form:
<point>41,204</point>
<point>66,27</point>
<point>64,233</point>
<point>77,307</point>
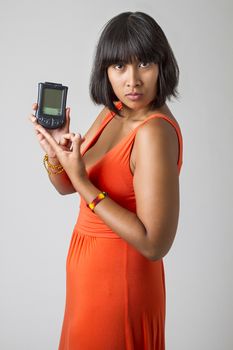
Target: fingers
<point>76,142</point>
<point>49,138</point>
<point>32,117</point>
<point>74,139</point>
<point>68,114</point>
<point>66,138</point>
<point>34,106</point>
<point>66,126</point>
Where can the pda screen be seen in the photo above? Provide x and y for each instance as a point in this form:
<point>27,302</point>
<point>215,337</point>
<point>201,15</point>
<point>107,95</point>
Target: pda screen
<point>52,101</point>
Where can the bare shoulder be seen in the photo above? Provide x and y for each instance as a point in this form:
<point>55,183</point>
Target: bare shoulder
<point>158,133</point>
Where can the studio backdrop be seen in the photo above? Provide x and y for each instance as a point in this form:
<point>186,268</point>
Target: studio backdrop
<point>55,41</point>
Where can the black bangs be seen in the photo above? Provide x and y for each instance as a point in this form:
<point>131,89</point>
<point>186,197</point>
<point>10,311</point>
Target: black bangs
<point>126,43</point>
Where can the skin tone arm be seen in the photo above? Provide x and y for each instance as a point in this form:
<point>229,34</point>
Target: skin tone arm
<point>151,230</point>
<point>62,182</point>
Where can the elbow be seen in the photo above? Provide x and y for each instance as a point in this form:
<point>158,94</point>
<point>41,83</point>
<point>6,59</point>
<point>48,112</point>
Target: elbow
<point>157,253</point>
<point>154,257</point>
<point>63,193</point>
<point>152,254</point>
<point>160,246</point>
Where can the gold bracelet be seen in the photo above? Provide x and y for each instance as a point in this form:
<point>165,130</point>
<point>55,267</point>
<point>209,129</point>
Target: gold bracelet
<point>49,165</point>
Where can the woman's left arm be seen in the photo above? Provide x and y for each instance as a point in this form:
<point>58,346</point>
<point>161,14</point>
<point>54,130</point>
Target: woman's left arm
<point>151,230</point>
<point>156,184</point>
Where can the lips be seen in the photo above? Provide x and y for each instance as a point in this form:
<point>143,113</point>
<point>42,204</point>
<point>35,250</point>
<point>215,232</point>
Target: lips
<point>134,96</point>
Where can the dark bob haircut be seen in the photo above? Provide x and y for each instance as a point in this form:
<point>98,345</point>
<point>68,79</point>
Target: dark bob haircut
<point>125,37</point>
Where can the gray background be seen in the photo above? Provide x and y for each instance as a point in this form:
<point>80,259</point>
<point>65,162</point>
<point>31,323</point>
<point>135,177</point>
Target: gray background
<point>55,41</point>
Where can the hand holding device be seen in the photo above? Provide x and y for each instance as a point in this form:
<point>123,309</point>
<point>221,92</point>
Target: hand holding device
<point>56,133</point>
<point>69,158</point>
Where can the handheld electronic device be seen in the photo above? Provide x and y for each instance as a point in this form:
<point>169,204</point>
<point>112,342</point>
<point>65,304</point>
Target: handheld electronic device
<point>51,111</point>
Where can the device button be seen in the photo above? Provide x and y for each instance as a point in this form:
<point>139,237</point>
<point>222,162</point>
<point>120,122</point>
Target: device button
<point>41,121</point>
<point>48,121</point>
<point>54,122</point>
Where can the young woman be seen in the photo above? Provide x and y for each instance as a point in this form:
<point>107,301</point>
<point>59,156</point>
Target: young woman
<point>126,171</point>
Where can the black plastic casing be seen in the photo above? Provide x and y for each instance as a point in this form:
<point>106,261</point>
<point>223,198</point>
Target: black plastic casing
<point>46,120</point>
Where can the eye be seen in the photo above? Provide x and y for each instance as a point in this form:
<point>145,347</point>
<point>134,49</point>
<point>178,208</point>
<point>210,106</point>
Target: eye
<point>118,66</point>
<point>144,64</point>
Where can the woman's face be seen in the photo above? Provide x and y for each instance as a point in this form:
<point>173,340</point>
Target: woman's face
<point>134,84</point>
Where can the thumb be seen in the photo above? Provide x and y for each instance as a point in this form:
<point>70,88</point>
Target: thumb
<point>76,142</point>
<point>67,124</point>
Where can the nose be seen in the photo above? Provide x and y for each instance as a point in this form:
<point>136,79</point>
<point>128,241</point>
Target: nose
<point>133,77</point>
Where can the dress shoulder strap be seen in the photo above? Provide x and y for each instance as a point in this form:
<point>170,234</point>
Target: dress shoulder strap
<point>110,114</point>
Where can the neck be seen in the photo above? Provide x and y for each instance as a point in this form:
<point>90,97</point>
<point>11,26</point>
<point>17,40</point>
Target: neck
<point>129,114</point>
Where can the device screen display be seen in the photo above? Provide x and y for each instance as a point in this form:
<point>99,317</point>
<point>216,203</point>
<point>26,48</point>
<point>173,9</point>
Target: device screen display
<point>52,102</point>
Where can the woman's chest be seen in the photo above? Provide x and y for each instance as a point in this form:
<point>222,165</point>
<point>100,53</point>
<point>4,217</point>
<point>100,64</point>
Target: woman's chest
<point>111,139</point>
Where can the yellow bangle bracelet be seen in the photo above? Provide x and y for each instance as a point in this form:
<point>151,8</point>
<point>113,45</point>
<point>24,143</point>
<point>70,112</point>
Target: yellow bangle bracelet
<point>95,201</point>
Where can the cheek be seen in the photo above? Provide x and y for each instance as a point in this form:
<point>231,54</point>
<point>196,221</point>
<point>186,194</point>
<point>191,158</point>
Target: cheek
<point>115,82</point>
<point>112,78</point>
<point>155,80</point>
<point>155,74</point>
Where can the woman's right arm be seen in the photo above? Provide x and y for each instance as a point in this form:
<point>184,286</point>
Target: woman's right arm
<point>61,181</point>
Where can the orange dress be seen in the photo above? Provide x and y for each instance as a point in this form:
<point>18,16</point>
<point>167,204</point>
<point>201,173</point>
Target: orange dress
<point>115,297</point>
